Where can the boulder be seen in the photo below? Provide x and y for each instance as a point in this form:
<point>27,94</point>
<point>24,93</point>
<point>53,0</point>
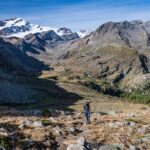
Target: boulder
<point>72,130</point>
<point>3,132</point>
<point>141,131</point>
<point>81,145</point>
<point>132,124</point>
<point>133,148</point>
<point>115,124</point>
<point>37,124</point>
<point>22,126</point>
<point>2,148</point>
<point>111,147</point>
<point>146,139</point>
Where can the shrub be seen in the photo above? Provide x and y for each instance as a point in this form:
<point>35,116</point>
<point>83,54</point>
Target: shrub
<point>46,122</point>
<point>136,121</point>
<point>46,113</point>
<point>137,97</point>
<point>4,142</point>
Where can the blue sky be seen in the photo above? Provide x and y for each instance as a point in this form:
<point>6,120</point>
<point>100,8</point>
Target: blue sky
<point>75,14</point>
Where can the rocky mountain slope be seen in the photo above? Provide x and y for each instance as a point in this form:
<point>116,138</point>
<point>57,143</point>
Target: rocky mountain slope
<point>19,82</point>
<point>15,69</point>
<point>116,53</point>
<point>13,60</point>
<point>49,39</point>
<point>31,37</point>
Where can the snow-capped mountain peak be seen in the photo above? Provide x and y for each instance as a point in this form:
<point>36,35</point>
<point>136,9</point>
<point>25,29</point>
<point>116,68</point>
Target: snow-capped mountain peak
<point>12,22</point>
<point>18,27</point>
<point>63,31</point>
<point>82,33</point>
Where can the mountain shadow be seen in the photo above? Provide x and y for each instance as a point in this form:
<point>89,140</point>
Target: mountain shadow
<point>20,85</point>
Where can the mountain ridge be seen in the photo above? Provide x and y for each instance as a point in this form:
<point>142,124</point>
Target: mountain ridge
<point>116,53</point>
<point>18,27</point>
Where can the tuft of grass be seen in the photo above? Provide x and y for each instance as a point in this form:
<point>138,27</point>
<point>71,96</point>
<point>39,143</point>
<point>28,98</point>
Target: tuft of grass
<point>141,136</point>
<point>137,97</point>
<point>4,142</point>
<point>46,122</point>
<point>46,113</point>
<point>136,121</point>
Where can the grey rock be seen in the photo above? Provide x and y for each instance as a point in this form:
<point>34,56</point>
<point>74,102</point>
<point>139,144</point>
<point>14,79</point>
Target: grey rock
<point>146,139</point>
<point>108,112</point>
<point>37,124</point>
<point>27,123</point>
<point>3,132</point>
<point>141,131</point>
<point>79,146</point>
<point>52,119</point>
<point>72,130</point>
<point>132,124</point>
<point>48,143</point>
<point>67,113</point>
<point>131,114</point>
<point>133,148</point>
<point>115,124</point>
<point>2,148</point>
<point>81,141</point>
<point>57,131</point>
<point>75,147</point>
<point>111,147</point>
<point>22,126</point>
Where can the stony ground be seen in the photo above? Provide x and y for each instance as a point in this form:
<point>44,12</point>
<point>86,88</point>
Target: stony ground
<point>59,124</point>
<point>61,130</point>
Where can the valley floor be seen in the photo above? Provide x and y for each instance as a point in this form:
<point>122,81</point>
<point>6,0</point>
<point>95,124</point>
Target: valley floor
<point>58,123</point>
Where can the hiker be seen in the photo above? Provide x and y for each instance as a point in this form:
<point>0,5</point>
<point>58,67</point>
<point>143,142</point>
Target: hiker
<point>87,112</point>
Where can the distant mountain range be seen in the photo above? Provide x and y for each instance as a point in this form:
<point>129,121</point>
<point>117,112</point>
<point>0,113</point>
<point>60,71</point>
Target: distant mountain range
<point>27,36</point>
<point>18,27</point>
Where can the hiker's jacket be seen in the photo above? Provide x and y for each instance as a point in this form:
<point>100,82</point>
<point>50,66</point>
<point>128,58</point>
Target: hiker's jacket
<point>86,108</point>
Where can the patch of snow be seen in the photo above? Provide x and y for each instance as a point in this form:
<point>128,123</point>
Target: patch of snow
<point>13,22</point>
<point>83,33</point>
<point>33,29</point>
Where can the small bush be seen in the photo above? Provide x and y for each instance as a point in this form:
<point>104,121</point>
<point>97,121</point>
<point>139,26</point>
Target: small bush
<point>93,86</point>
<point>46,113</point>
<point>4,142</point>
<point>46,122</point>
<point>136,121</point>
<point>137,98</point>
